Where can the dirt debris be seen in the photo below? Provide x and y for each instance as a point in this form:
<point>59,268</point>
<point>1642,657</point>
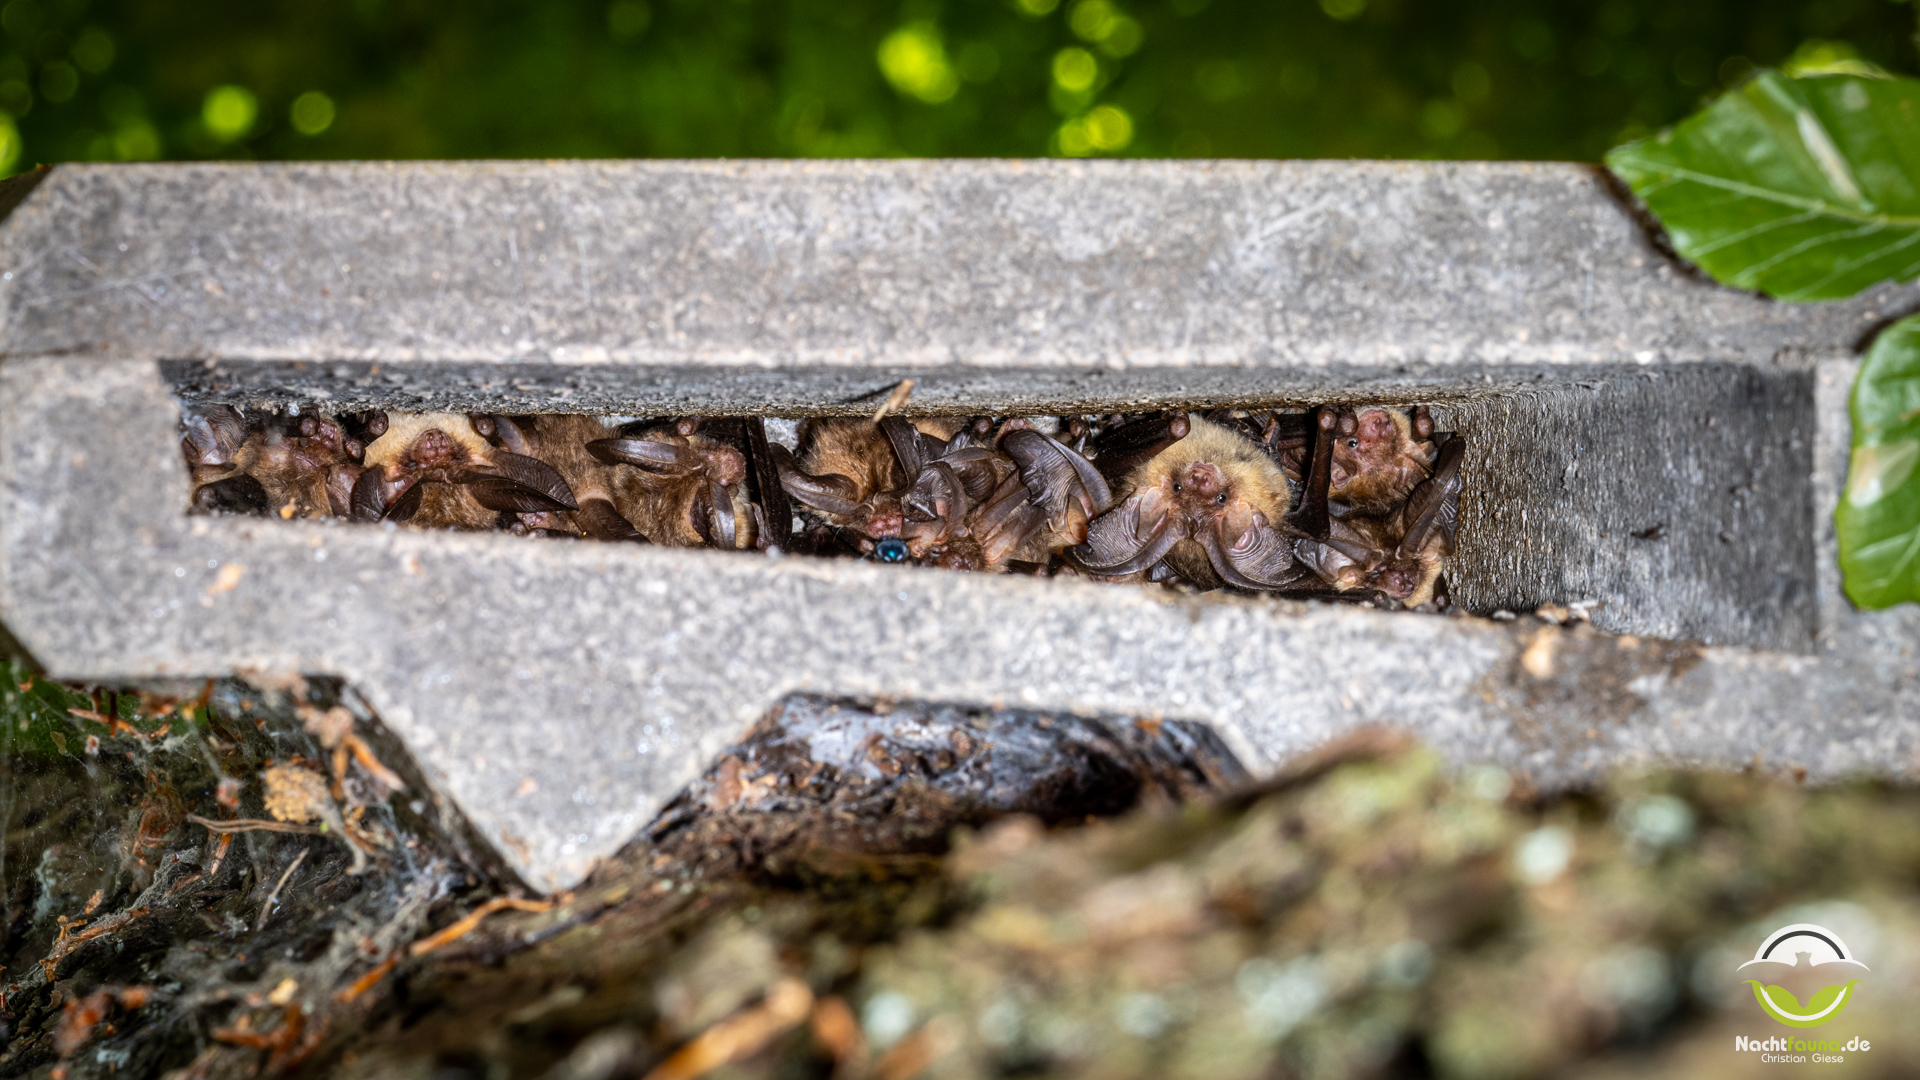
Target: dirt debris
<point>892,891</point>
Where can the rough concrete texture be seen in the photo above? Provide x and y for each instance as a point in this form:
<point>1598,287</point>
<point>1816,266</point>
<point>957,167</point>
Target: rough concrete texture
<point>609,675</point>
<point>794,286</point>
<point>1672,498</point>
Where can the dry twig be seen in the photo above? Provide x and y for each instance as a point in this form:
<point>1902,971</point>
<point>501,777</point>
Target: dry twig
<point>901,392</point>
<point>741,1035</point>
<point>240,825</point>
<point>275,894</point>
<point>465,926</point>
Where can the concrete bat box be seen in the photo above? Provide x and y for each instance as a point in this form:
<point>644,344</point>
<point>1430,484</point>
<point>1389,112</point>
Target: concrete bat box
<point>1658,449</point>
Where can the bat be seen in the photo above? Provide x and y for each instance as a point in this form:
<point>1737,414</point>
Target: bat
<point>678,486</point>
<point>436,471</point>
<point>1212,504</point>
<point>1400,554</point>
<point>296,467</point>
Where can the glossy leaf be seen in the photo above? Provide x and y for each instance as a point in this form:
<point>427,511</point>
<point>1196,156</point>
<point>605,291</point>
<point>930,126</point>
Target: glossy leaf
<point>1807,188</point>
<point>1878,519</point>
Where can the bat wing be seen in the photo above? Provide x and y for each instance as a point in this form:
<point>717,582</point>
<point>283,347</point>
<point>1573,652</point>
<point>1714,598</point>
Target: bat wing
<point>913,448</point>
<point>1434,506</point>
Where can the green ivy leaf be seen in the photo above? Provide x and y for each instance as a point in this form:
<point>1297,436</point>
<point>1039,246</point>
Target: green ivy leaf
<point>1878,519</point>
<point>1807,189</point>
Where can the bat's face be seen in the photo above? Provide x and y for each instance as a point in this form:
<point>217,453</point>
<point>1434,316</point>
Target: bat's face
<point>1208,496</point>
<point>1374,441</point>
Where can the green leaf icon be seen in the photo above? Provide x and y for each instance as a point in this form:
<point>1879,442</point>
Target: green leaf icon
<point>1824,1005</point>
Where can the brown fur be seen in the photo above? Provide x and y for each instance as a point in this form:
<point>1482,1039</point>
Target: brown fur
<point>1411,581</point>
<point>402,452</point>
<point>295,470</point>
<point>1377,464</point>
<point>449,506</point>
<point>560,440</point>
<point>855,449</point>
<point>1252,482</point>
<point>663,507</point>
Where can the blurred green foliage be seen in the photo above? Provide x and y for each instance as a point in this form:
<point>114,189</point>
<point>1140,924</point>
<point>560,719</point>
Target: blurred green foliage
<point>126,80</point>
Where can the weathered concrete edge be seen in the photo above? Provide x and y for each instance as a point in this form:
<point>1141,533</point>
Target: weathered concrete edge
<point>641,665</point>
<point>981,266</point>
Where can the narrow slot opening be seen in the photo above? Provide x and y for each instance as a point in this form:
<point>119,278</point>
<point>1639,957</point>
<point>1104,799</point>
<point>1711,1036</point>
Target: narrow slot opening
<point>1357,503</point>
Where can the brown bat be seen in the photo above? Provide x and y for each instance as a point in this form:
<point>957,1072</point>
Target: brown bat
<point>436,471</point>
<point>304,467</point>
<point>981,503</point>
<point>680,487</point>
<point>1400,554</point>
<point>1379,456</point>
<point>561,440</point>
<point>945,493</point>
<point>1212,504</point>
<point>848,474</point>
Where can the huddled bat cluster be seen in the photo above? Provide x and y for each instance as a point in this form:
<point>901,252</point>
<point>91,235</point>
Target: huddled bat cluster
<point>1336,502</point>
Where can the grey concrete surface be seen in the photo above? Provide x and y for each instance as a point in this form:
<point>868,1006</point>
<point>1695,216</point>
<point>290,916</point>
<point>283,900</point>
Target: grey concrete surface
<point>1672,498</point>
<point>559,692</point>
<point>788,286</point>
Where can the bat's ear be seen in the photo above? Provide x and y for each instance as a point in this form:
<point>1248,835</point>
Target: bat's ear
<point>1053,474</point>
<point>536,477</point>
<point>368,502</point>
<point>407,505</point>
<point>722,524</point>
<point>1260,560</point>
<point>1127,539</point>
<point>910,446</point>
<point>829,494</point>
<point>1435,503</point>
<point>600,521</point>
<point>648,455</point>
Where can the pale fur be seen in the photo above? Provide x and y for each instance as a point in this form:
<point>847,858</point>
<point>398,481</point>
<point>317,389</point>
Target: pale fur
<point>404,428</point>
<point>1247,470</point>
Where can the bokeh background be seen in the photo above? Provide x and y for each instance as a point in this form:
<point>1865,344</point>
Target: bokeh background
<point>117,80</point>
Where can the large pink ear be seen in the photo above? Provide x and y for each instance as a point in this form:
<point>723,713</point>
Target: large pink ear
<point>1260,559</point>
<point>650,455</point>
<point>1128,539</point>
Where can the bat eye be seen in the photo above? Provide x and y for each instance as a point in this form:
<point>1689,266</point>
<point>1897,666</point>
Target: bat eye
<point>1353,444</point>
<point>892,549</point>
<point>1220,499</point>
<point>1176,487</point>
